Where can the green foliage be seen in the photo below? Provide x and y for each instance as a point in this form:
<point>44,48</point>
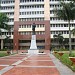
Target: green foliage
<point>73,68</point>
<point>66,12</point>
<point>57,55</point>
<point>62,49</point>
<point>65,60</point>
<point>73,32</point>
<point>59,39</point>
<point>55,49</point>
<point>3,21</point>
<point>72,55</point>
<point>4,49</point>
<point>3,53</point>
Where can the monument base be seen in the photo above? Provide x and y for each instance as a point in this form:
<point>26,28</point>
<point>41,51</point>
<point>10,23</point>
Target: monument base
<point>33,48</point>
<point>33,51</point>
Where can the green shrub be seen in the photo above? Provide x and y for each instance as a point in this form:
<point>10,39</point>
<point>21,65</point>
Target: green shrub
<point>3,54</point>
<point>72,55</point>
<point>73,67</point>
<point>5,49</point>
<point>65,60</point>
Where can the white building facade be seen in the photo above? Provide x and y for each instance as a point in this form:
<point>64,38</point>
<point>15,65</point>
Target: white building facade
<point>23,13</point>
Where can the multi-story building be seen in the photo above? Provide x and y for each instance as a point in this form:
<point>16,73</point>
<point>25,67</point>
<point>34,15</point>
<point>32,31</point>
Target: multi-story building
<point>23,13</point>
<point>58,25</point>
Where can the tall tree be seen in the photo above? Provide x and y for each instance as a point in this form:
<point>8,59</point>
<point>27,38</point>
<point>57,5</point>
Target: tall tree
<point>73,32</point>
<point>67,12</point>
<point>0,3</point>
<point>73,0</point>
<point>3,21</point>
<point>59,38</point>
<point>8,38</point>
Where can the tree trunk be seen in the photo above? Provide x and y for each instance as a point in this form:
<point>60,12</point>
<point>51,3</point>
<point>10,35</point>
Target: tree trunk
<point>69,39</point>
<point>1,43</point>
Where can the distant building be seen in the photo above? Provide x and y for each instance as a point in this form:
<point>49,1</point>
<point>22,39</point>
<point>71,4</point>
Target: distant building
<point>23,13</point>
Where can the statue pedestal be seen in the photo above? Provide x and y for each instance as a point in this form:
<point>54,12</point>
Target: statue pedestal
<point>33,48</point>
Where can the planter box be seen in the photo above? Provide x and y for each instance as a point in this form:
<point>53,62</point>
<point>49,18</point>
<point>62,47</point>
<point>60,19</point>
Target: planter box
<point>55,52</point>
<point>72,59</point>
<point>61,54</point>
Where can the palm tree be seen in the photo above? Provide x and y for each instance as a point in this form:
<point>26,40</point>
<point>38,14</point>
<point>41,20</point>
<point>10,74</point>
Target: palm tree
<point>59,37</point>
<point>73,32</point>
<point>0,3</point>
<point>65,41</point>
<point>73,0</point>
<point>67,12</point>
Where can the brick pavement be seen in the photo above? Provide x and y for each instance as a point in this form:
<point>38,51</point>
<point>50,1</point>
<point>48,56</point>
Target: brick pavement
<point>1,67</point>
<point>29,65</point>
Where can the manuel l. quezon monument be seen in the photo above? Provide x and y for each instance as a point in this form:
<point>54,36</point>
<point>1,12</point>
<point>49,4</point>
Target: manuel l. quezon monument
<point>33,48</point>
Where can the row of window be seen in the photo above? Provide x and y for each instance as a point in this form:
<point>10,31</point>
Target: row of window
<point>9,13</point>
<point>32,13</point>
<point>59,32</point>
<point>11,20</point>
<point>31,19</point>
<point>7,8</point>
<point>55,18</point>
<point>29,26</point>
<point>8,1</point>
<point>31,1</point>
<point>28,33</point>
<point>7,33</point>
<point>22,1</point>
<point>39,32</point>
<point>62,25</point>
<point>59,0</point>
<point>28,41</point>
<point>52,12</point>
<point>38,19</point>
<point>31,6</point>
<point>55,5</point>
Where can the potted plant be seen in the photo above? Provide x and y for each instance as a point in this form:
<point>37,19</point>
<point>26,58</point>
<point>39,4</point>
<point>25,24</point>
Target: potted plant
<point>55,52</point>
<point>61,51</point>
<point>72,58</point>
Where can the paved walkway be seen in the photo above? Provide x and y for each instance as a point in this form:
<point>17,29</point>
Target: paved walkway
<point>28,65</point>
<point>63,69</point>
<point>45,64</point>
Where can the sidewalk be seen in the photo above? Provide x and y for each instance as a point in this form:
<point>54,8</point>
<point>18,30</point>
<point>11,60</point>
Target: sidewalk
<point>64,70</point>
<point>28,65</point>
<point>42,64</point>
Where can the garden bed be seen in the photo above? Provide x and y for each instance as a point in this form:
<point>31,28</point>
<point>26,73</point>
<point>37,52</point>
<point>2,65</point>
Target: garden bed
<point>3,53</point>
<point>65,60</point>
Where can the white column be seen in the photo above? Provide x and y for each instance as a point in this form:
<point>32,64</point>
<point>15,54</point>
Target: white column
<point>1,43</point>
<point>46,10</point>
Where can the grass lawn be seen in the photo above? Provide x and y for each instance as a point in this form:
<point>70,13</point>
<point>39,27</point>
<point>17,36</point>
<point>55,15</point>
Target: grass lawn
<point>3,53</point>
<point>65,60</point>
